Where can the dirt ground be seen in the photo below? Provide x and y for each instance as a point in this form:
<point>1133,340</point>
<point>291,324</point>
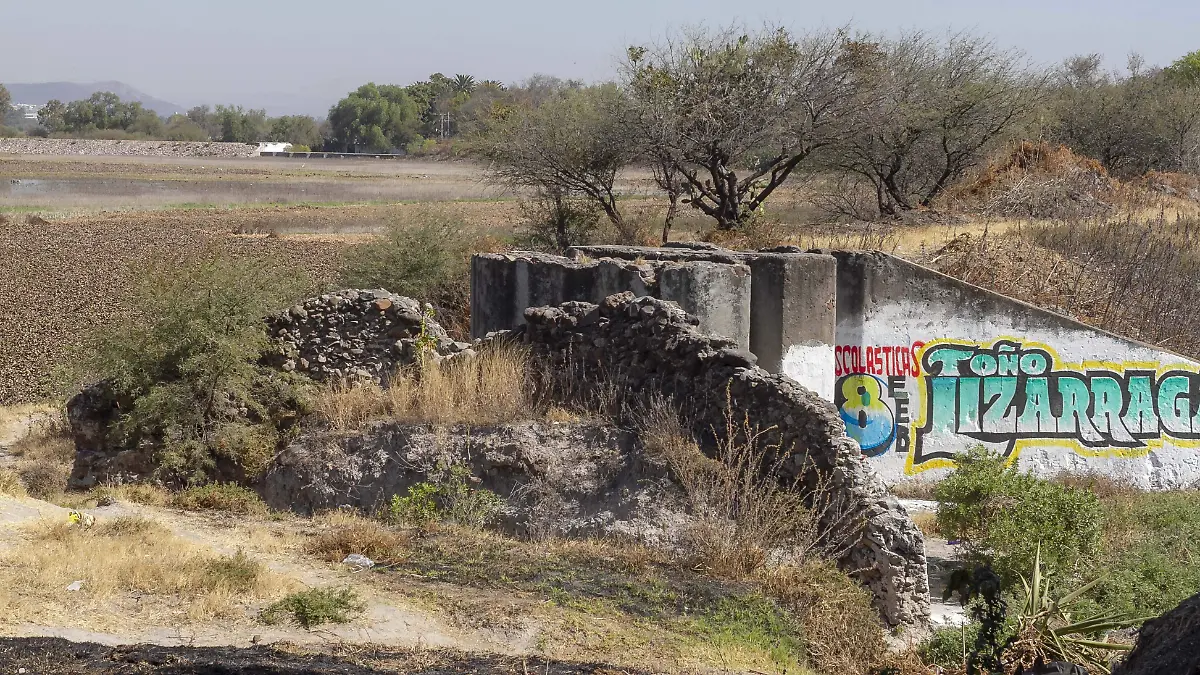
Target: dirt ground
<point>56,656</point>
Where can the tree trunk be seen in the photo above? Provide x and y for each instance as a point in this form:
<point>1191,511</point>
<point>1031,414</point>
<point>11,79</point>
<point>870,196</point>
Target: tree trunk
<point>672,211</point>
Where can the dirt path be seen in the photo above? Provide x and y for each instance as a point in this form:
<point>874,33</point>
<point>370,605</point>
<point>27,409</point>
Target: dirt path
<point>390,619</point>
<point>942,559</point>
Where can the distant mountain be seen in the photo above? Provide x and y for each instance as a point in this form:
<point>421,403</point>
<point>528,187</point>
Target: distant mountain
<point>39,93</point>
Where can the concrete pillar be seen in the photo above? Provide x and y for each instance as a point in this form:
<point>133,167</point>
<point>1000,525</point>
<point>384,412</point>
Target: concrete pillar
<point>493,294</point>
<point>718,295</point>
<point>793,316</point>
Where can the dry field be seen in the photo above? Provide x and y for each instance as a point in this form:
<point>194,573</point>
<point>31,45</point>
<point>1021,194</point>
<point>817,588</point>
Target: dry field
<point>73,230</point>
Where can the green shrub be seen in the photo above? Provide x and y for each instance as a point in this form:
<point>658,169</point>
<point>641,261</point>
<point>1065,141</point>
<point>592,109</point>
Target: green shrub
<point>297,147</point>
<point>425,256</point>
<point>448,497</point>
<point>314,607</point>
<point>1002,515</point>
<point>1151,552</point>
<point>421,146</point>
<point>419,507</point>
<point>238,573</point>
<point>185,368</point>
<point>219,497</point>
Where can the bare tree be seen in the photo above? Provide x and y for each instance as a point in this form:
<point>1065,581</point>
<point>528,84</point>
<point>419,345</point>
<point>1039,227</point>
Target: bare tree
<point>929,110</point>
<point>572,144</point>
<point>733,113</point>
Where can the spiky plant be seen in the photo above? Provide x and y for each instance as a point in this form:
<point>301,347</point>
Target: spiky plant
<point>1047,630</point>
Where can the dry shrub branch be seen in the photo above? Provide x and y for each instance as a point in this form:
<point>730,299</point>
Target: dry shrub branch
<point>747,516</point>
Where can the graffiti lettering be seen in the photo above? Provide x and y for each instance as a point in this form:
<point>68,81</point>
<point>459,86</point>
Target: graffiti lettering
<point>868,420</point>
<point>1007,392</point>
<point>884,361</point>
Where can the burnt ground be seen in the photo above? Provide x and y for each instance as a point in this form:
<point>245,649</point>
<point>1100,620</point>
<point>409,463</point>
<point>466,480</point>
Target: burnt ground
<point>55,656</point>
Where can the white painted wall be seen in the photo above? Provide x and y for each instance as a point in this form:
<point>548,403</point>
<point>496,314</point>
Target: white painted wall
<point>1165,460</point>
<point>811,365</point>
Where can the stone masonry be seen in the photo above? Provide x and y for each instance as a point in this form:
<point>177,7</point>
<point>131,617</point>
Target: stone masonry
<point>354,334</point>
<point>650,347</point>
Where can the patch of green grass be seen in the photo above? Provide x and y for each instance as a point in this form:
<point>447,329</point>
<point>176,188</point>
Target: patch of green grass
<point>1151,551</point>
<point>754,621</point>
<point>314,607</point>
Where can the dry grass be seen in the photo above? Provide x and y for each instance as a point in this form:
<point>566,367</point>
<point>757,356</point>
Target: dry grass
<point>841,630</point>
<point>926,521</point>
<point>490,388</point>
<point>11,484</point>
<point>229,498</point>
<point>119,561</point>
<point>744,516</point>
<point>44,453</point>
<point>340,534</point>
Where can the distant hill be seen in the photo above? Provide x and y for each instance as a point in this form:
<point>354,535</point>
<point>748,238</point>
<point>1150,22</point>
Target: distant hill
<point>40,92</point>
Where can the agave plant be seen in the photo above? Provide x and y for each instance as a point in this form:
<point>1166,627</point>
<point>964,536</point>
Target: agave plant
<point>1047,631</point>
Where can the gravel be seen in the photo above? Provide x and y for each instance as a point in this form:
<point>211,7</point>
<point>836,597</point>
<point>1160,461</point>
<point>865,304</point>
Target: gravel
<point>72,146</point>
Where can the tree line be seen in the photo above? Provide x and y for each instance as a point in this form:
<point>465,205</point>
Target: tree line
<point>726,117</point>
<point>373,118</point>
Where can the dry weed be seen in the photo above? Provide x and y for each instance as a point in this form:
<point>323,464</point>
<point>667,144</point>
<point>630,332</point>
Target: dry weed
<point>842,631</point>
<point>914,488</point>
<point>1104,486</point>
<point>343,533</point>
<point>10,484</point>
<point>745,514</point>
<point>492,387</point>
<point>1038,180</point>
<point>136,493</point>
<point>120,559</point>
<point>926,521</point>
<point>227,497</point>
<point>44,478</point>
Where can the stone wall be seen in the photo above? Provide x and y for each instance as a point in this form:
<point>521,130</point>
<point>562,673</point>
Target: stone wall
<point>86,147</point>
<point>646,346</point>
<point>355,334</point>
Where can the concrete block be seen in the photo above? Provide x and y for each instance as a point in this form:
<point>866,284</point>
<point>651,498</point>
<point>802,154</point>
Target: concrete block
<point>793,316</point>
<point>717,295</point>
<point>493,295</point>
<point>504,286</point>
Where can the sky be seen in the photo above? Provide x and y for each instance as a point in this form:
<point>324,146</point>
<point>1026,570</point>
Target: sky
<point>301,56</point>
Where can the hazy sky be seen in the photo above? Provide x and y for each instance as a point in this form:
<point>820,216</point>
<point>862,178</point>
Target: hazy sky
<point>302,55</point>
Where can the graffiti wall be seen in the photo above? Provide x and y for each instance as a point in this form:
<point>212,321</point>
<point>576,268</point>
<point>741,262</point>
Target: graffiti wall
<point>919,380</point>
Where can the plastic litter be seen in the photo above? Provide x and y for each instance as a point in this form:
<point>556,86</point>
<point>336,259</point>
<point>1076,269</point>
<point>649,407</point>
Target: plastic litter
<point>359,560</point>
<point>75,585</point>
<point>81,519</point>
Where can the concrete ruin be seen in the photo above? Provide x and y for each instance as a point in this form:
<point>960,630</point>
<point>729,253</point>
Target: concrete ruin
<point>919,365</point>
